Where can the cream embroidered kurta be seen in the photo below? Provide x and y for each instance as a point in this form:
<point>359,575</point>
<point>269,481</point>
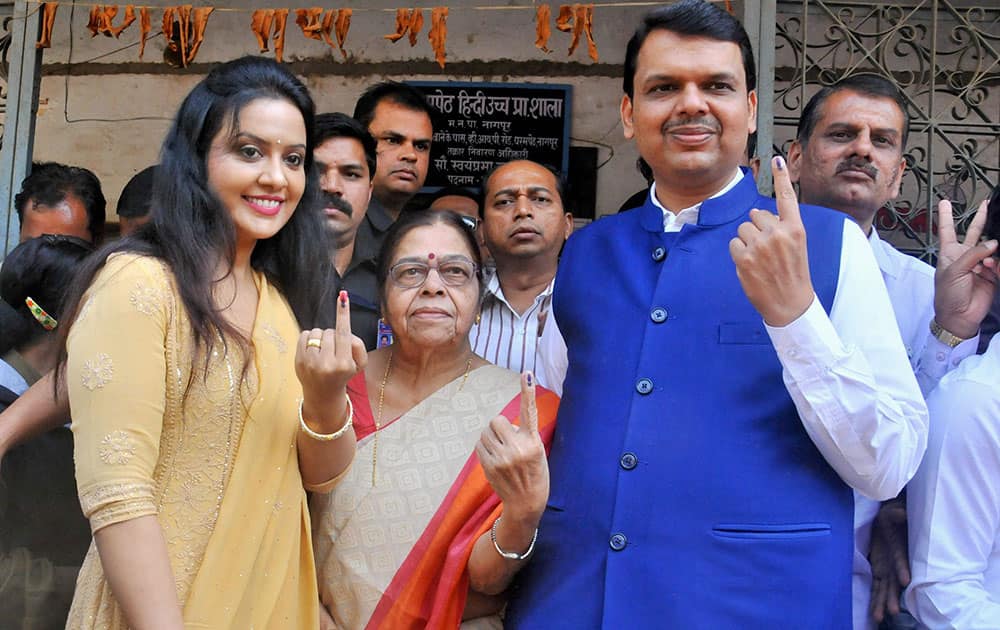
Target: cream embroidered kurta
<point>212,456</point>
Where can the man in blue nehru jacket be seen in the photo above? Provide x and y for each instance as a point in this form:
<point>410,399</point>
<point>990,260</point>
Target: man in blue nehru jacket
<point>734,371</point>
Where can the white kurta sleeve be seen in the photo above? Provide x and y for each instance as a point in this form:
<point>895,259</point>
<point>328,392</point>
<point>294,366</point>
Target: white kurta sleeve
<point>851,381</point>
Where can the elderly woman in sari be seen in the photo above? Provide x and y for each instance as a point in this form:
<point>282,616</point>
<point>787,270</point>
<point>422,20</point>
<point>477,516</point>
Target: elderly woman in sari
<point>442,505</point>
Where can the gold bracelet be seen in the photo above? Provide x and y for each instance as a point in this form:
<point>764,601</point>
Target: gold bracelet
<point>945,336</point>
<point>328,437</point>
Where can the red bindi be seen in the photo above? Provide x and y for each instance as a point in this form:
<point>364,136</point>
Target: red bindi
<point>430,256</point>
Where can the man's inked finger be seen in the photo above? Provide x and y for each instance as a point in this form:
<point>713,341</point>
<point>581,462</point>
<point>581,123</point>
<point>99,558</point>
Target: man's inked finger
<point>784,193</point>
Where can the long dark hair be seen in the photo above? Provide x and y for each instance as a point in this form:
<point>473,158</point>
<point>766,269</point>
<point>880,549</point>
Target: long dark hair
<point>41,269</point>
<point>190,229</point>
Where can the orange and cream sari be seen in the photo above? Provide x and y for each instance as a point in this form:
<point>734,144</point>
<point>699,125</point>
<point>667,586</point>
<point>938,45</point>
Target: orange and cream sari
<point>395,555</point>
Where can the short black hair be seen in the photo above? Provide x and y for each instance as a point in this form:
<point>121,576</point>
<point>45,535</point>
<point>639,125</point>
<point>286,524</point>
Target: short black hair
<point>40,268</point>
<point>451,190</point>
<point>135,199</point>
<point>393,92</point>
<point>867,84</point>
<point>50,182</point>
<point>752,146</point>
<point>340,125</point>
<point>692,18</point>
<point>562,183</point>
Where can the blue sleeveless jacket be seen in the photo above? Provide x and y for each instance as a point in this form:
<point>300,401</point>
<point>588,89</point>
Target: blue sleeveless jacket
<point>685,491</point>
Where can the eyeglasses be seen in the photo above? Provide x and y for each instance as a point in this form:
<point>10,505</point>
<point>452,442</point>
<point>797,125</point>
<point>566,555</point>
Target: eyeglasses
<point>455,271</point>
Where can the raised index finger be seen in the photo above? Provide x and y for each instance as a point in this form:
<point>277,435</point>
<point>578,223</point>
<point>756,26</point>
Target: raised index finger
<point>529,412</point>
<point>784,194</point>
<point>343,326</point>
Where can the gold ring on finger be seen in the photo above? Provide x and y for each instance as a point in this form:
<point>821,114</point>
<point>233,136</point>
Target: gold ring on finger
<point>314,343</point>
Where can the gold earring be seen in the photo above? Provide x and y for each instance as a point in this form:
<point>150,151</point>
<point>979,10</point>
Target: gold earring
<point>478,317</point>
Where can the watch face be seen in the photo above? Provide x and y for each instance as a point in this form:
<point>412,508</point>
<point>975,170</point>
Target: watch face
<point>944,336</point>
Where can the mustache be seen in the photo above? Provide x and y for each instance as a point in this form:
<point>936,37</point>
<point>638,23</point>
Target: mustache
<point>337,202</point>
<point>857,164</point>
<point>695,121</point>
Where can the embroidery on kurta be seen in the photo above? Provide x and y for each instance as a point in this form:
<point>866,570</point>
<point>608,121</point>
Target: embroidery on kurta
<point>145,299</point>
<point>97,372</point>
<point>117,448</point>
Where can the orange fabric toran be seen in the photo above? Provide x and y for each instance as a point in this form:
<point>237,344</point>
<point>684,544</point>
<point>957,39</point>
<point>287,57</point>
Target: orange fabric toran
<point>260,24</point>
<point>430,588</point>
<point>280,16</point>
<point>145,26</point>
<point>48,19</point>
<point>439,33</point>
<point>129,18</point>
<point>564,22</point>
<point>543,14</point>
<point>341,27</point>
<point>403,17</point>
<point>416,23</point>
<point>310,23</point>
<point>199,21</point>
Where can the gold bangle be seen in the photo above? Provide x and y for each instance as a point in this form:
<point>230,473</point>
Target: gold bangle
<point>328,437</point>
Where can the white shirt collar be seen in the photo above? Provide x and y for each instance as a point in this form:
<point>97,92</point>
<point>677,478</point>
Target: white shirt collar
<point>494,290</point>
<point>887,263</point>
<point>674,222</point>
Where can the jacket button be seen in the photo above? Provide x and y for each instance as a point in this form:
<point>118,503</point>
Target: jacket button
<point>658,315</point>
<point>644,386</point>
<point>659,254</point>
<point>628,461</point>
<point>618,542</point>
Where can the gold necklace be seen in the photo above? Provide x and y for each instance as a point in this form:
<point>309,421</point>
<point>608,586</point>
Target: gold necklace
<point>381,399</point>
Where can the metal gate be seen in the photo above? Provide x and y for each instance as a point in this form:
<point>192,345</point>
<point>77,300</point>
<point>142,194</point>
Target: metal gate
<point>942,54</point>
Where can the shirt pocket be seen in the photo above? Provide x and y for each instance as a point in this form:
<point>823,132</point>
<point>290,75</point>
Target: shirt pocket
<point>743,333</point>
<point>782,531</point>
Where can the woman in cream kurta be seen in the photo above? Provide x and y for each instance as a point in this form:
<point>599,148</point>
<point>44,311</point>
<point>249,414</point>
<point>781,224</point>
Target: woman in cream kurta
<point>213,455</point>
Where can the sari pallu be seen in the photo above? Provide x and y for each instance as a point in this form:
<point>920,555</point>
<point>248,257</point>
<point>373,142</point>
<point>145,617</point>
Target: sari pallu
<point>395,556</point>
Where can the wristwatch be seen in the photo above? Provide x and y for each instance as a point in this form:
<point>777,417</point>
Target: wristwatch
<point>947,338</point>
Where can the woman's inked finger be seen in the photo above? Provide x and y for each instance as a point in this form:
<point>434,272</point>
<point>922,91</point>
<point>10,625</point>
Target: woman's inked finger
<point>343,322</point>
<point>529,410</point>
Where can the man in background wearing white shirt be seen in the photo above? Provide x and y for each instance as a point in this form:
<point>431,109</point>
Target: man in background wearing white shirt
<point>524,227</point>
<point>848,155</point>
<point>954,502</point>
<point>954,499</point>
